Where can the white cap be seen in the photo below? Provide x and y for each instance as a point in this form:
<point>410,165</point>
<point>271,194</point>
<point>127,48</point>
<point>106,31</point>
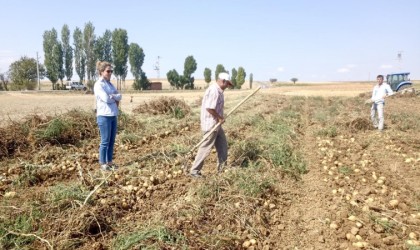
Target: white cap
<point>225,76</point>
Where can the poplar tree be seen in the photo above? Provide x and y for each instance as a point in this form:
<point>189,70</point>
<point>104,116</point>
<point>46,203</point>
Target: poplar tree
<point>251,79</point>
<point>67,52</point>
<point>190,66</point>
<point>51,56</point>
<point>119,53</point>
<point>136,60</point>
<point>103,47</point>
<point>79,54</point>
<point>207,75</point>
<point>233,78</point>
<point>89,48</point>
<point>240,78</point>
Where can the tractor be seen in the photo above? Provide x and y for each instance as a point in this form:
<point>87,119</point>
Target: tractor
<point>398,81</point>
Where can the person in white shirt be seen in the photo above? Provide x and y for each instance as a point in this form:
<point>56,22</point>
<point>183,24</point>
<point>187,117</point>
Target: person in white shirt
<point>212,114</point>
<point>107,101</point>
<point>380,91</point>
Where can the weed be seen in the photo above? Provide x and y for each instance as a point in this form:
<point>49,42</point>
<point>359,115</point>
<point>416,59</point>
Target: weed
<point>64,195</point>
<point>148,238</point>
<point>289,114</point>
<point>21,223</point>
<point>330,131</point>
<point>387,225</point>
<point>129,138</point>
<point>246,151</point>
<point>282,155</point>
<point>29,176</point>
<point>321,116</point>
<point>251,185</point>
<point>405,121</point>
<point>178,113</point>
<point>209,190</point>
<point>345,170</point>
<point>179,148</point>
<point>54,129</point>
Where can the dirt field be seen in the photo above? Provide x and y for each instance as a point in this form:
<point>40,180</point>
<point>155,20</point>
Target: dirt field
<point>306,170</point>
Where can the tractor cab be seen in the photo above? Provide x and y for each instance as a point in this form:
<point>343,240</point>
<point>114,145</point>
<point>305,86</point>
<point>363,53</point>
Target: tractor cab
<point>398,81</point>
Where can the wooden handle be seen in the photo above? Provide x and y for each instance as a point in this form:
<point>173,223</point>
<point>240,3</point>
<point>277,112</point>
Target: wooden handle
<point>218,124</point>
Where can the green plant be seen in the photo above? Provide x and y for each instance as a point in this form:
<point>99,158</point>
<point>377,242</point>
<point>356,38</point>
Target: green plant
<point>178,113</point>
<point>345,170</point>
<point>252,185</point>
<point>283,156</point>
<point>210,189</point>
<point>148,238</point>
<point>129,138</point>
<point>65,194</point>
<point>54,129</point>
<point>321,116</point>
<point>387,225</point>
<point>22,223</point>
<point>29,176</point>
<point>405,121</point>
<point>330,131</point>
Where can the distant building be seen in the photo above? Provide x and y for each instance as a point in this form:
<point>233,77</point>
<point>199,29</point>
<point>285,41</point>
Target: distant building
<point>155,86</point>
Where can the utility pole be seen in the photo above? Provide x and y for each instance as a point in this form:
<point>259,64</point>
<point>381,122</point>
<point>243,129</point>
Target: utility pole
<point>37,70</point>
<point>399,58</point>
<point>157,68</point>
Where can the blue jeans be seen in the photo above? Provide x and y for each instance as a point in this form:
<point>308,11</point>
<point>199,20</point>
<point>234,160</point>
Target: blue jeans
<point>108,130</point>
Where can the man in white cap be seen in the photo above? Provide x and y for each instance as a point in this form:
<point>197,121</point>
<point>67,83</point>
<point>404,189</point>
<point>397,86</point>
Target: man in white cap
<point>212,114</point>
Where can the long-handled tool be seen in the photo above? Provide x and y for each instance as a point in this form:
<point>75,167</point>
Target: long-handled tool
<point>215,127</point>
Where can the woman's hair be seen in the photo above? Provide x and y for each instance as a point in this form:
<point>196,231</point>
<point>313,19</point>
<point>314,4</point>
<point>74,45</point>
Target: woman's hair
<point>101,66</point>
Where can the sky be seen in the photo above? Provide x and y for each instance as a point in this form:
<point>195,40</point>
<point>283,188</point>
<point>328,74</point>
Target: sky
<point>314,41</point>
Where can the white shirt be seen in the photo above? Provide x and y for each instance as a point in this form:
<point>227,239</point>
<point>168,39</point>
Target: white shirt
<point>107,97</point>
<point>380,91</point>
<point>213,99</point>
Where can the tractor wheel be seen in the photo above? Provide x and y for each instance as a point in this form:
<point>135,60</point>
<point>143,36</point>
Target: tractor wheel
<point>402,88</point>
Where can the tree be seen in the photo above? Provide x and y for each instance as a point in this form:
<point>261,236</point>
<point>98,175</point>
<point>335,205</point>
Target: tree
<point>89,48</point>
<point>58,52</point>
<point>136,59</point>
<point>233,78</point>
<point>273,80</point>
<point>103,47</point>
<point>52,56</point>
<point>79,54</point>
<point>294,80</point>
<point>4,81</point>
<point>119,53</point>
<point>190,66</point>
<point>23,74</point>
<point>207,75</point>
<point>219,68</point>
<point>173,78</point>
<point>67,52</point>
<point>251,79</point>
<point>144,82</point>
<point>240,79</point>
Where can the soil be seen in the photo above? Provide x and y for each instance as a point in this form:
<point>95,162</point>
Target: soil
<point>360,190</point>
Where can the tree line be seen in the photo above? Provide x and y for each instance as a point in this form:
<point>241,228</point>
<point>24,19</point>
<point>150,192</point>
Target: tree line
<point>61,58</point>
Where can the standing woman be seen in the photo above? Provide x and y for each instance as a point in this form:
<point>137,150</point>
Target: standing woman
<point>107,100</point>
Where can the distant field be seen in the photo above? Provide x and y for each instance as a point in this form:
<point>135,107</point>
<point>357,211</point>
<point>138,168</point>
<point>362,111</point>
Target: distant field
<point>17,105</point>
